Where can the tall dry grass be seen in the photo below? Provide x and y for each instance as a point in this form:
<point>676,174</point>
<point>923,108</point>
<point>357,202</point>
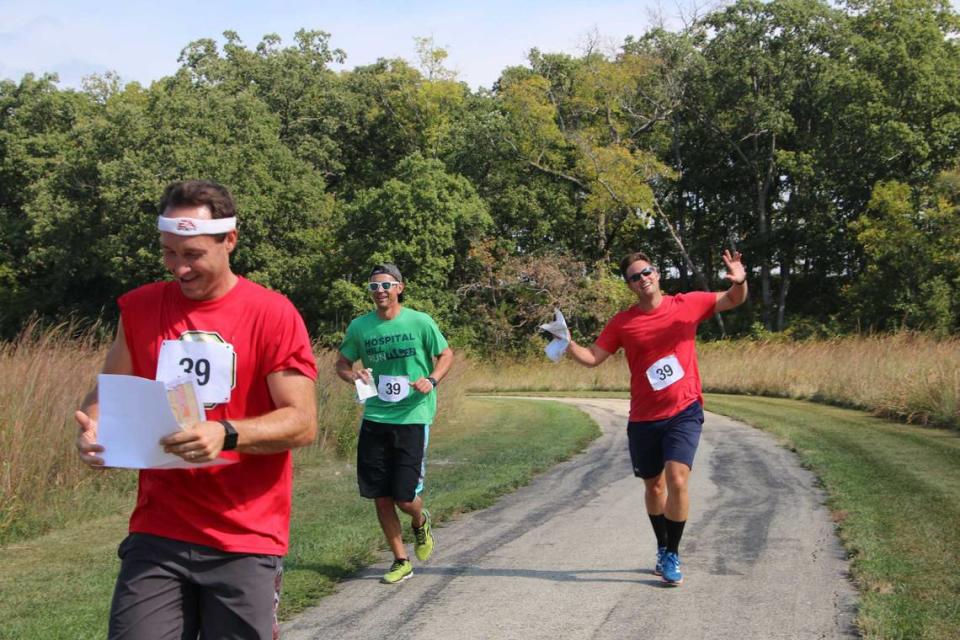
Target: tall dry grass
<point>909,377</point>
<point>905,376</point>
<point>44,375</point>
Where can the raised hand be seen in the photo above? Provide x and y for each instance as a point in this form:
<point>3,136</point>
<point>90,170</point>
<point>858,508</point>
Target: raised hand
<point>736,272</point>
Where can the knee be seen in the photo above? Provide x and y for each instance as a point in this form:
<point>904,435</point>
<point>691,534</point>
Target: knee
<point>408,507</point>
<point>656,489</point>
<point>677,480</point>
<point>384,504</point>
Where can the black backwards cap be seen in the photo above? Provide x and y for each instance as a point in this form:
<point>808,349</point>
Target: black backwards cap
<point>388,269</point>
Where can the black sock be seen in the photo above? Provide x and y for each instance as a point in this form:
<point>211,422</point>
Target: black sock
<point>674,533</point>
<point>659,523</point>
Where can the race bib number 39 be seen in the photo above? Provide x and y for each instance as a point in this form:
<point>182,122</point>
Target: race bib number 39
<point>211,363</point>
<point>664,372</point>
<point>393,388</point>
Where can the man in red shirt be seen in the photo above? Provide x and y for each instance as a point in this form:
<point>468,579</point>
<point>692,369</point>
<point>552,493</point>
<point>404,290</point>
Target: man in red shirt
<point>657,335</point>
<point>204,554</point>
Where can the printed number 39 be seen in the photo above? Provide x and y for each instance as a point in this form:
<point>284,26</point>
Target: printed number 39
<point>393,388</point>
<point>200,368</point>
<point>665,372</point>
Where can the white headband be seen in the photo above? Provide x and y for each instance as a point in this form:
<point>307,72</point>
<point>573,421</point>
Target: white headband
<point>196,226</point>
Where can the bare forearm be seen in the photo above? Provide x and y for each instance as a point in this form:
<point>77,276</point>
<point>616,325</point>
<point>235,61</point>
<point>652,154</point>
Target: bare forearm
<point>279,430</point>
<point>737,293</point>
<point>345,372</point>
<point>732,297</point>
<point>91,404</point>
<point>583,355</point>
<point>444,362</point>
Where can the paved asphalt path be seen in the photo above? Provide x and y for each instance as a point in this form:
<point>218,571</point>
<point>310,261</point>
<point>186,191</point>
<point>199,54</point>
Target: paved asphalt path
<point>571,556</point>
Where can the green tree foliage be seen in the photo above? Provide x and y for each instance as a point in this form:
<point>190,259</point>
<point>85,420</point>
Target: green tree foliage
<point>822,139</point>
<point>911,240</point>
<point>424,220</point>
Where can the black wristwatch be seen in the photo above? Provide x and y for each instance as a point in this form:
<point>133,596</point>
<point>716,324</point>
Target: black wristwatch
<point>433,381</point>
<point>229,436</point>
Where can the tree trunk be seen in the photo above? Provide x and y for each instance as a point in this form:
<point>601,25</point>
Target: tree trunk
<point>763,184</point>
<point>784,288</point>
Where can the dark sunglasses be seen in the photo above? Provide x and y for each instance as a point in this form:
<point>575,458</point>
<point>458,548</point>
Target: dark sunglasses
<point>386,286</point>
<point>643,273</point>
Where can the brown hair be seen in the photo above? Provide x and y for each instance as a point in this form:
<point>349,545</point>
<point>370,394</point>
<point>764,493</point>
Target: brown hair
<point>630,259</point>
<point>198,193</point>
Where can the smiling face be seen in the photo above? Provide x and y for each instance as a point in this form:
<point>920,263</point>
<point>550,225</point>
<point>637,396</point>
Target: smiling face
<point>199,264</point>
<point>644,280</point>
<point>386,299</point>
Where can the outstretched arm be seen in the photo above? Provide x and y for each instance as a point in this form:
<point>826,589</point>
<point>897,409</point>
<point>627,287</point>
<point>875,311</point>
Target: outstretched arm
<point>737,275</point>
<point>587,356</point>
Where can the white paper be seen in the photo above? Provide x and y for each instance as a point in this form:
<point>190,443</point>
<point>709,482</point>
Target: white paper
<point>558,327</point>
<point>365,389</point>
<point>135,414</point>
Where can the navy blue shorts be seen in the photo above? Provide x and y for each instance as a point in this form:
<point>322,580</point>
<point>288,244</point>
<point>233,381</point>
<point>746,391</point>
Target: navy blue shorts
<point>654,442</point>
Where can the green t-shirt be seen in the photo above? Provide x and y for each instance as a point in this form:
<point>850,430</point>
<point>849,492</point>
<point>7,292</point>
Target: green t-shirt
<point>400,352</point>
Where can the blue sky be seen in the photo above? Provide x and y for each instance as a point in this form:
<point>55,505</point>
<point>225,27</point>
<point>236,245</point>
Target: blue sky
<point>142,40</point>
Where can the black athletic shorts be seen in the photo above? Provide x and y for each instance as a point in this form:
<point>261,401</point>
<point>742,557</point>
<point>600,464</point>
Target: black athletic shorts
<point>654,442</point>
<point>391,459</point>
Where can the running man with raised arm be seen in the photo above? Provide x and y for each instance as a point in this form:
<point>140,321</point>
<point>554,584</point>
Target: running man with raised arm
<point>658,336</point>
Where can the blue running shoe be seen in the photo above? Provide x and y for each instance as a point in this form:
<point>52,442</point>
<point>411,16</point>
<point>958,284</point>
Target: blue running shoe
<point>658,569</point>
<point>671,569</point>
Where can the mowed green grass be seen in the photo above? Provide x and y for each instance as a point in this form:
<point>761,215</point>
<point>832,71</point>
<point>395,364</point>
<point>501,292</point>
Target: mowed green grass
<point>895,493</point>
<point>59,585</point>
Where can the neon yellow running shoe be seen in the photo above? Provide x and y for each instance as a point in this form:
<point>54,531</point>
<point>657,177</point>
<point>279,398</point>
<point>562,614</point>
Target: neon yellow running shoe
<point>400,570</point>
<point>423,544</point>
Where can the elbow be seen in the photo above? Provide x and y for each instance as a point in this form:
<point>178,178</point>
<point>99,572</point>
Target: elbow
<point>307,434</point>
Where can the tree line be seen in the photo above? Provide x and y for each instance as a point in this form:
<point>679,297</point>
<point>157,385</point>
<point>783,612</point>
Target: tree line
<point>822,140</point>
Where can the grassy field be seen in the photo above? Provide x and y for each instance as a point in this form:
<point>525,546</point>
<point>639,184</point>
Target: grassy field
<point>58,585</point>
<point>895,493</point>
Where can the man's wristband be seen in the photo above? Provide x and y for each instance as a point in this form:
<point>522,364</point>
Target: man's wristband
<point>433,381</point>
<point>229,435</point>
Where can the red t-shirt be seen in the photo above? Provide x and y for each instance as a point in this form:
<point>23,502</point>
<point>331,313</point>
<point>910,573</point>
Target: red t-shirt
<point>242,507</point>
<point>659,346</point>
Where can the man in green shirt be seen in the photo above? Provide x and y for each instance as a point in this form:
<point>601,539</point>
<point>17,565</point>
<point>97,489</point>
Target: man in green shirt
<point>404,357</point>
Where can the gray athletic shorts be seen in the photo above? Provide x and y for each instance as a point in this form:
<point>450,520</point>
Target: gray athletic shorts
<point>176,590</point>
